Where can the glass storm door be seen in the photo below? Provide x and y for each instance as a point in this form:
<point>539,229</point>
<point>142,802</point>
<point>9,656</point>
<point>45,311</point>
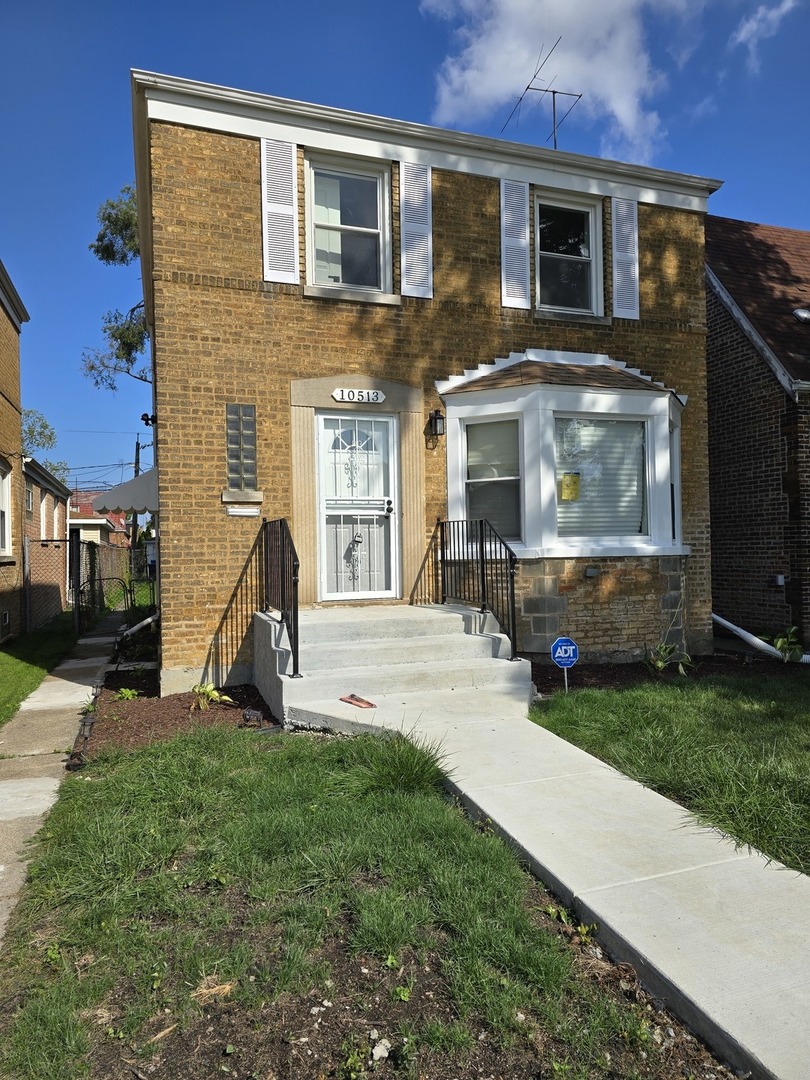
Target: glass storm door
<point>358,533</point>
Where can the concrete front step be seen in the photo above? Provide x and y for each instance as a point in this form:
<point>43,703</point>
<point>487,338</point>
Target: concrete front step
<point>319,626</point>
<point>403,713</point>
<point>403,678</point>
<point>375,650</point>
<point>382,652</point>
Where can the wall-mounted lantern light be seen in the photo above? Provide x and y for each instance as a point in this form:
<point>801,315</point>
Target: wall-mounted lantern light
<point>436,424</point>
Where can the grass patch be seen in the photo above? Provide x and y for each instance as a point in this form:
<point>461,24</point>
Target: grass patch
<point>26,660</point>
<point>735,751</point>
<point>237,899</point>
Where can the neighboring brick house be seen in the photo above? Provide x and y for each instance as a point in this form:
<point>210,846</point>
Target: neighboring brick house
<point>12,316</point>
<point>758,360</point>
<point>107,528</point>
<point>319,282</point>
<point>45,545</point>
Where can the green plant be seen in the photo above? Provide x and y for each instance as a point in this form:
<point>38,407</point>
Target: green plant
<point>664,654</point>
<point>787,643</point>
<point>206,694</point>
<point>125,694</point>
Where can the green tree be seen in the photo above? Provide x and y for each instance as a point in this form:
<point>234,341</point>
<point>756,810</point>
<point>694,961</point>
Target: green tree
<point>125,333</point>
<point>37,434</point>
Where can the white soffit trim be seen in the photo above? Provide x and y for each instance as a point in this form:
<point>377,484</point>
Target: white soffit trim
<point>769,356</point>
<point>318,127</point>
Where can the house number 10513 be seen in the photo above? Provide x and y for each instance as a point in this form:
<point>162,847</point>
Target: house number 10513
<point>361,397</point>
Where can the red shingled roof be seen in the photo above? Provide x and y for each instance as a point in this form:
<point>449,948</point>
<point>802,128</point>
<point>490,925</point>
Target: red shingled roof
<point>766,271</point>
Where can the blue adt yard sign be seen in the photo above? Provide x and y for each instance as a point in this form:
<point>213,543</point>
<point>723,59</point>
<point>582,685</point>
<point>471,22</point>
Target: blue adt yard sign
<point>565,653</point>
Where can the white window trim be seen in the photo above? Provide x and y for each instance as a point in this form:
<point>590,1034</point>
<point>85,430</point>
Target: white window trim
<point>537,410</point>
<point>5,505</point>
<point>462,464</point>
<point>593,208</point>
<point>381,170</point>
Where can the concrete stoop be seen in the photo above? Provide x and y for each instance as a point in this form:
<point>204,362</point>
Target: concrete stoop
<point>397,657</point>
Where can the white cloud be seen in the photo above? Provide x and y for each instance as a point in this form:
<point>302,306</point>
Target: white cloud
<point>763,24</point>
<point>602,54</point>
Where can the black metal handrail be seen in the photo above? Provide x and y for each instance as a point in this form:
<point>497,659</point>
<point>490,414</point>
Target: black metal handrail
<point>281,567</point>
<point>479,567</point>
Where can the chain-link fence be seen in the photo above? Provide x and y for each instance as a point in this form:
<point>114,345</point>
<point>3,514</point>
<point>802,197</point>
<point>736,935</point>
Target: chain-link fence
<point>107,578</point>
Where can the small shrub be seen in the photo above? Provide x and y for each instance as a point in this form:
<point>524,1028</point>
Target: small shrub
<point>788,644</point>
<point>206,694</point>
<point>126,694</point>
<point>664,655</point>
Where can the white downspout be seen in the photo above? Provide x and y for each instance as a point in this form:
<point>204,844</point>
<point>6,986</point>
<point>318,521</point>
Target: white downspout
<point>755,642</point>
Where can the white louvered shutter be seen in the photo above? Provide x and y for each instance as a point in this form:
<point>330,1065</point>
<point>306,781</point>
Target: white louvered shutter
<point>515,284</point>
<point>279,212</point>
<point>416,229</point>
<point>625,259</point>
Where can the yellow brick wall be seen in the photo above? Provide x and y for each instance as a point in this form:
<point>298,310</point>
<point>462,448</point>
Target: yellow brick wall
<point>11,579</point>
<point>223,335</point>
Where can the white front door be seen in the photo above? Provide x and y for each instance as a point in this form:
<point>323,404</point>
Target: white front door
<point>358,512</point>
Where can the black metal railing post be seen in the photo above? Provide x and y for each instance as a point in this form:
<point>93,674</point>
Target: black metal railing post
<point>281,575</point>
<point>479,567</point>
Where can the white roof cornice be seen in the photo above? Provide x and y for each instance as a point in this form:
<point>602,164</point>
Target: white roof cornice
<point>241,112</point>
<point>10,299</point>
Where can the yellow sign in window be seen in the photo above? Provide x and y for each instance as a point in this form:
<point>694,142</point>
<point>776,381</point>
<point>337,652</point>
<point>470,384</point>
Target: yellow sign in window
<point>569,487</point>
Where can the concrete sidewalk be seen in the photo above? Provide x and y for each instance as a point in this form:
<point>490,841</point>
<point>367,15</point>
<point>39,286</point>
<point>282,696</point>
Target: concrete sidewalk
<point>718,933</point>
<point>35,745</point>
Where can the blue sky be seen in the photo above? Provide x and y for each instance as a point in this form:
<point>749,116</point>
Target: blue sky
<point>718,88</point>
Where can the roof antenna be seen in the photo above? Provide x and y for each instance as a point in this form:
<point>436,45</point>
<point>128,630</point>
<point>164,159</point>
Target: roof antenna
<point>542,91</point>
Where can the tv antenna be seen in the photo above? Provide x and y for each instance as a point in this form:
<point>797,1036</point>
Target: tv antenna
<point>542,91</point>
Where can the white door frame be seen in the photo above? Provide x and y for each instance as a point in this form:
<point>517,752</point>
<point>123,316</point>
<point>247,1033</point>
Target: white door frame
<point>366,508</point>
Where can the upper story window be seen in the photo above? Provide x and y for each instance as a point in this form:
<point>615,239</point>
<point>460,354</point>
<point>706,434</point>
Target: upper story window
<point>569,276</point>
<point>349,243</point>
<point>29,499</point>
<point>348,213</point>
<point>241,434</point>
<point>569,266</point>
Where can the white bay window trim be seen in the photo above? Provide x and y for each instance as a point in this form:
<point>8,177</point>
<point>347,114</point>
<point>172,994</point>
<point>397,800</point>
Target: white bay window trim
<point>358,169</point>
<point>538,409</point>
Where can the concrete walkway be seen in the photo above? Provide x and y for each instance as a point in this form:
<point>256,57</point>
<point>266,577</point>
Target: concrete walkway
<point>718,933</point>
<point>35,745</point>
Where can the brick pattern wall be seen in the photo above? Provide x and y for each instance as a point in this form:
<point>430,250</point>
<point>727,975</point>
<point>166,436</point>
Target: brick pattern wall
<point>10,450</point>
<point>223,335</point>
<point>758,443</point>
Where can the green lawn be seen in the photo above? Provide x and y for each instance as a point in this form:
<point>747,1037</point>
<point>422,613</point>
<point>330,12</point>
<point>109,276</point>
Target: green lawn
<point>26,661</point>
<point>299,877</point>
<point>735,751</point>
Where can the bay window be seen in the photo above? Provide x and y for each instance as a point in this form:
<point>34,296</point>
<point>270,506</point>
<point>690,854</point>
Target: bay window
<point>563,465</point>
<point>601,477</point>
<point>493,475</point>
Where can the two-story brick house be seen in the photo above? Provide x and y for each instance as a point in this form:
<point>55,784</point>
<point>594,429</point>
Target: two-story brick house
<point>326,289</point>
<point>12,317</point>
